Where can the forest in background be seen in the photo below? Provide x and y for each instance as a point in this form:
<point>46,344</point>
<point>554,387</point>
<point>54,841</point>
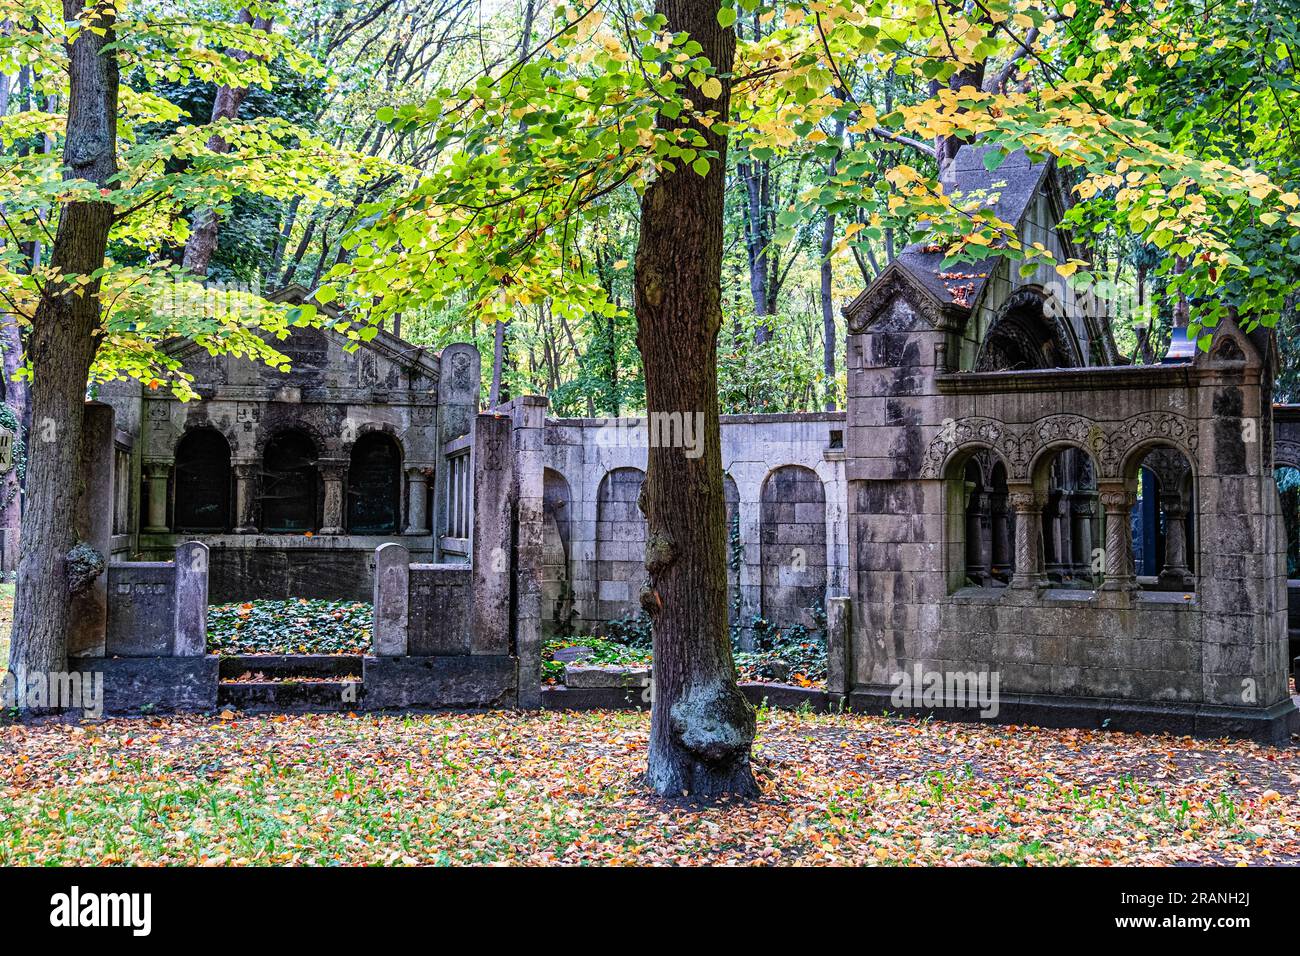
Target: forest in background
<point>1216,89</point>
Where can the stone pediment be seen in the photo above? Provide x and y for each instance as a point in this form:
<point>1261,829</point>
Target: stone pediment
<point>897,302</point>
<point>319,358</point>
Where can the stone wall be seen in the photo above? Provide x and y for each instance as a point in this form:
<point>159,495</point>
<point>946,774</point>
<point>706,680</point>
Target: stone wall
<point>596,533</point>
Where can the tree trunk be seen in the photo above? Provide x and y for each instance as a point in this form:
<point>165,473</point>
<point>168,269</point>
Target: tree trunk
<point>827,286</point>
<point>65,333</point>
<point>203,226</point>
<point>701,725</point>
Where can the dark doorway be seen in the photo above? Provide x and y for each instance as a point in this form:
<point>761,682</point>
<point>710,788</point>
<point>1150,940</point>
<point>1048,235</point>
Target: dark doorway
<point>289,483</point>
<point>203,482</point>
<point>375,485</point>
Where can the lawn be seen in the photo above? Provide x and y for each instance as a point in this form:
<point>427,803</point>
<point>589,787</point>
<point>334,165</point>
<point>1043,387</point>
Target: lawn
<point>564,787</point>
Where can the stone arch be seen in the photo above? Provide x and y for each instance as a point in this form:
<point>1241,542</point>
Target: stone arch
<point>374,494</point>
<point>557,522</point>
<point>1286,477</point>
<point>364,429</point>
<point>735,548</point>
<point>1163,518</point>
<point>291,494</point>
<point>792,514</point>
<point>979,530</point>
<point>1065,477</point>
<point>202,477</point>
<point>1027,334</point>
<point>620,544</point>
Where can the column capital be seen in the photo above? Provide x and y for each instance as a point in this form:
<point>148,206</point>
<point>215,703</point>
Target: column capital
<point>1025,501</point>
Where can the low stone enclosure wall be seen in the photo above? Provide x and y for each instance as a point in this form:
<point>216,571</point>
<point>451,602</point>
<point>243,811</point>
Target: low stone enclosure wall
<point>785,493</point>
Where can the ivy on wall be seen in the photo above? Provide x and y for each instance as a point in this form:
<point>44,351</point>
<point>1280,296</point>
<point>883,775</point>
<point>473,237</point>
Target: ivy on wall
<point>18,467</point>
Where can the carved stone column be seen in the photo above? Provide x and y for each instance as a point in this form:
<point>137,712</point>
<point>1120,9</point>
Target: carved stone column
<point>246,474</point>
<point>333,474</point>
<point>1028,508</point>
<point>1056,536</point>
<point>1175,575</point>
<point>158,474</point>
<point>1082,509</point>
<point>1000,545</point>
<point>417,501</point>
<point>977,537</point>
<point>1117,502</point>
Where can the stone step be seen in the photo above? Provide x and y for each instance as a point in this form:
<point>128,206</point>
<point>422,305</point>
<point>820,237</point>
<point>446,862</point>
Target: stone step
<point>289,695</point>
<point>288,666</point>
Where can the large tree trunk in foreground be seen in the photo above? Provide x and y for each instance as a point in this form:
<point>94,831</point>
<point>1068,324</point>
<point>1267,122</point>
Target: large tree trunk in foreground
<point>701,725</point>
<point>65,333</point>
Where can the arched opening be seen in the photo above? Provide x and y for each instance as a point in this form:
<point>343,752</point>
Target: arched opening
<point>375,485</point>
<point>620,544</point>
<point>289,484</point>
<point>1288,489</point>
<point>983,534</point>
<point>1024,337</point>
<point>792,515</point>
<point>202,482</point>
<point>1071,519</point>
<point>1163,522</point>
<point>557,589</point>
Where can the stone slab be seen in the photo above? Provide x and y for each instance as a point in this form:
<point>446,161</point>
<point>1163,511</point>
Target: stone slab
<point>461,682</point>
<point>606,675</point>
<point>135,685</point>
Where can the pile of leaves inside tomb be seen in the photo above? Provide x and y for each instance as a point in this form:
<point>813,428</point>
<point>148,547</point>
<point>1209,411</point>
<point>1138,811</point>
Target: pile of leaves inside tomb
<point>298,626</point>
<point>790,655</point>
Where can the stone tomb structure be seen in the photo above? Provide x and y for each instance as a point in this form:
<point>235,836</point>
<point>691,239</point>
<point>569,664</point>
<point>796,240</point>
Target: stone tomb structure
<point>1000,460</point>
<point>299,484</point>
<point>292,479</point>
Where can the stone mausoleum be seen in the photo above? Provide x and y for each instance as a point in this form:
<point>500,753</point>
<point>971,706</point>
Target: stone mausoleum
<point>1004,494</point>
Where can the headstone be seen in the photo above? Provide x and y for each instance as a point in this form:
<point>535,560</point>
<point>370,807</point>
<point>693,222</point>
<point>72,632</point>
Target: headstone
<point>569,655</point>
<point>392,600</point>
<point>191,610</point>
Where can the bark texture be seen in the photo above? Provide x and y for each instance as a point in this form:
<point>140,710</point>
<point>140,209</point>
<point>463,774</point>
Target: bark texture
<point>65,334</point>
<point>701,725</point>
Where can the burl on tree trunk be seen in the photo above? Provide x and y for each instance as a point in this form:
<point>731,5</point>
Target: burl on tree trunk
<point>65,334</point>
<point>701,725</point>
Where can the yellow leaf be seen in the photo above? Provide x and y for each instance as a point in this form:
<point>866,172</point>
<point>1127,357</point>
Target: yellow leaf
<point>712,87</point>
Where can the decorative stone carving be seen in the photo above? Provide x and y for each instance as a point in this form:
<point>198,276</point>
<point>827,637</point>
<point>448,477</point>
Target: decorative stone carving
<point>1109,443</point>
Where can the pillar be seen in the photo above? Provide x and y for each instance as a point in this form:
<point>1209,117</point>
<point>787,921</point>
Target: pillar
<point>839,646</point>
<point>977,537</point>
<point>190,631</point>
<point>158,474</point>
<point>417,501</point>
<point>333,474</point>
<point>390,632</point>
<point>1000,545</point>
<point>1082,509</point>
<point>245,498</point>
<point>1028,509</point>
<point>1117,503</point>
<point>1175,574</point>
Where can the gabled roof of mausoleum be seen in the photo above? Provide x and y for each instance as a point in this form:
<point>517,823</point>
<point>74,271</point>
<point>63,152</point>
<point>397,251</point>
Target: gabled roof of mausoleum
<point>1008,191</point>
<point>392,347</point>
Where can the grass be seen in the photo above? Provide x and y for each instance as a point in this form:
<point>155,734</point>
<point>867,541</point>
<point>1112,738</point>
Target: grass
<point>565,788</point>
